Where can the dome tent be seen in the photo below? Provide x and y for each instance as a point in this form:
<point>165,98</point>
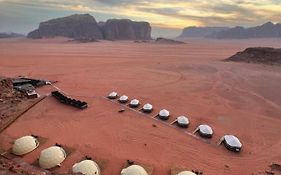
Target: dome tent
<point>134,170</point>
<point>134,103</point>
<point>186,173</point>
<point>123,99</point>
<point>164,114</point>
<point>113,95</point>
<point>182,121</point>
<point>24,145</point>
<point>86,167</point>
<point>232,143</point>
<point>204,131</point>
<point>147,108</point>
<point>51,157</point>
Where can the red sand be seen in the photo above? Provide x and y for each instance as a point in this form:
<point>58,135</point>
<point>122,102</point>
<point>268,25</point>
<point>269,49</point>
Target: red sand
<point>189,79</point>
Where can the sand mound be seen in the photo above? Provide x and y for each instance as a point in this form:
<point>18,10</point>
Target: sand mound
<point>264,55</point>
<point>167,41</point>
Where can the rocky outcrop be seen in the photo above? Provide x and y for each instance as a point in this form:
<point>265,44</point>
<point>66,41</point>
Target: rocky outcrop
<point>85,27</point>
<point>74,26</point>
<point>167,41</point>
<point>200,32</point>
<point>10,35</point>
<point>263,55</point>
<point>125,29</point>
<point>267,30</point>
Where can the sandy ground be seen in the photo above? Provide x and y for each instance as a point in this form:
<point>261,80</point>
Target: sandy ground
<point>234,98</point>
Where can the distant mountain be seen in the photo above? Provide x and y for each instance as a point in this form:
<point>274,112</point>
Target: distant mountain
<point>125,29</point>
<point>83,27</point>
<point>267,30</point>
<point>10,35</point>
<point>74,26</point>
<point>200,32</point>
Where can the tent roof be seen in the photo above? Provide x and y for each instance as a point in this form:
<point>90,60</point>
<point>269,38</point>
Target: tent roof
<point>86,167</point>
<point>51,157</point>
<point>134,170</point>
<point>164,113</point>
<point>24,145</point>
<point>113,94</point>
<point>134,102</point>
<point>123,97</point>
<point>182,120</point>
<point>147,106</point>
<point>206,129</point>
<point>186,173</point>
<point>232,141</point>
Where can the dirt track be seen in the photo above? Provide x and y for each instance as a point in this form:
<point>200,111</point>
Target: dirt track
<point>189,79</point>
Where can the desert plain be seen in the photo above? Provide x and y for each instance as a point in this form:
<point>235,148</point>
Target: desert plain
<point>187,79</point>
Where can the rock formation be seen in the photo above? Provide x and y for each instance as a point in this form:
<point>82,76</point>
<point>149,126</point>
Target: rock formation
<point>167,41</point>
<point>74,26</point>
<point>200,32</point>
<point>125,29</point>
<point>86,28</point>
<point>10,35</point>
<point>263,55</point>
<point>267,30</point>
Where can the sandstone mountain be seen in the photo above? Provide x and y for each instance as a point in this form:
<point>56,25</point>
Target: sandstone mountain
<point>267,30</point>
<point>125,29</point>
<point>74,26</point>
<point>200,32</point>
<point>84,26</point>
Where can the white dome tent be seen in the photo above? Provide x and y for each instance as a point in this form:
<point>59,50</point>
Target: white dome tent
<point>51,157</point>
<point>186,173</point>
<point>147,108</point>
<point>134,170</point>
<point>134,103</point>
<point>123,99</point>
<point>182,121</point>
<point>86,167</point>
<point>164,114</point>
<point>231,142</point>
<point>113,95</point>
<point>24,145</point>
<point>204,131</point>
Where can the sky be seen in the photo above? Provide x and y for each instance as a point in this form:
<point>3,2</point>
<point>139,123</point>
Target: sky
<point>167,17</point>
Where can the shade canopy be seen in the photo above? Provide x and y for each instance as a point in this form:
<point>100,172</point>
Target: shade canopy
<point>86,167</point>
<point>186,173</point>
<point>112,95</point>
<point>51,157</point>
<point>134,170</point>
<point>24,145</point>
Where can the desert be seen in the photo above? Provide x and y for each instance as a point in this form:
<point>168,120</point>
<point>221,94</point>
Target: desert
<point>137,87</point>
<point>188,79</point>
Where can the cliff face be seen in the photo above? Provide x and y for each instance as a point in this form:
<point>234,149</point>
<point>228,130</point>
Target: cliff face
<point>85,27</point>
<point>267,30</point>
<point>124,29</point>
<point>200,32</point>
<point>74,26</point>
